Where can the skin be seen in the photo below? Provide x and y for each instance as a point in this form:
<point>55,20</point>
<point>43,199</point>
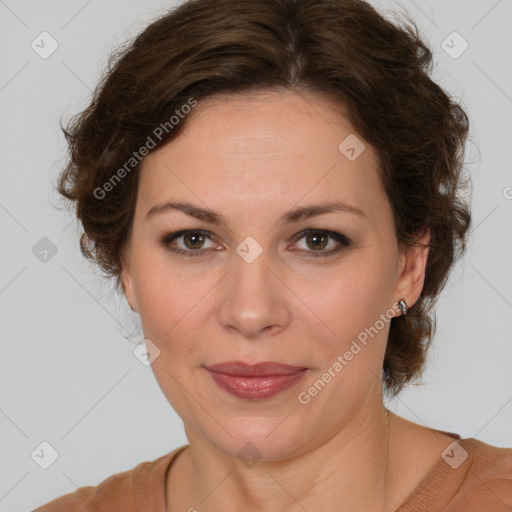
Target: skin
<point>252,159</point>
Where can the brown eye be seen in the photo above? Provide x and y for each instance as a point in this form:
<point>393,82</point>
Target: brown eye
<point>317,240</point>
<point>188,242</point>
<point>193,240</point>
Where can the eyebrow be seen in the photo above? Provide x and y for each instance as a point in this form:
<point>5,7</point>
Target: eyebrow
<point>295,215</point>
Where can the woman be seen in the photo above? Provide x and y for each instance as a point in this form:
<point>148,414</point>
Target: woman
<point>274,186</point>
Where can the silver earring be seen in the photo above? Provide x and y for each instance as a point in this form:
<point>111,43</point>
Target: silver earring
<point>403,306</point>
<point>133,309</point>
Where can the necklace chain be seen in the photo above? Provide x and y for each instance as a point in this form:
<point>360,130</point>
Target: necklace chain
<point>387,440</point>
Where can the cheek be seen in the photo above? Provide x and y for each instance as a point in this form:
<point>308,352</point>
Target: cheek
<point>349,308</point>
<point>347,300</point>
<point>172,301</point>
<point>173,311</point>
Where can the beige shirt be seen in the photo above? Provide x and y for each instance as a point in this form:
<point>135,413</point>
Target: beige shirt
<point>481,483</point>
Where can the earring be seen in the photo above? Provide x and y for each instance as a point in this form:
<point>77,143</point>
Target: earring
<point>403,306</point>
<point>133,309</point>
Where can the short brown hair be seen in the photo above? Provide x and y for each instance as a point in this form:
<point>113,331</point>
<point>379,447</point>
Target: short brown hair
<point>378,71</point>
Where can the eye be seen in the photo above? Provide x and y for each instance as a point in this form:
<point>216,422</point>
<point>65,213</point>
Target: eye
<point>190,243</point>
<point>318,239</point>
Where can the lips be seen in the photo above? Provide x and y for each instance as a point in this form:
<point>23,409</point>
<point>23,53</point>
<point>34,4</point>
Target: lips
<point>264,369</point>
<point>259,381</point>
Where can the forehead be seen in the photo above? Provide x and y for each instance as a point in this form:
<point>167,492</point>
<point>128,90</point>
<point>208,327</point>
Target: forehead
<point>274,145</point>
<point>266,123</point>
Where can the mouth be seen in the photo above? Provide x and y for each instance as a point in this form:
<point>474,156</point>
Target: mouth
<point>259,381</point>
<point>263,369</point>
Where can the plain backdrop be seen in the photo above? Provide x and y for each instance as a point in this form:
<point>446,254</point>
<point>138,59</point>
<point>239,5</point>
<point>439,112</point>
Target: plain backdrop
<point>69,378</point>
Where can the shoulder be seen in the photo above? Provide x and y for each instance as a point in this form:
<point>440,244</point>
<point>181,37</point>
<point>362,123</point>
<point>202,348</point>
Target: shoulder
<point>487,481</point>
<point>470,476</point>
<point>117,493</point>
<point>114,492</point>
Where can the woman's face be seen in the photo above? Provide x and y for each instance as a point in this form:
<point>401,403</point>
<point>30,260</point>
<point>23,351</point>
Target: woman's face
<point>251,287</point>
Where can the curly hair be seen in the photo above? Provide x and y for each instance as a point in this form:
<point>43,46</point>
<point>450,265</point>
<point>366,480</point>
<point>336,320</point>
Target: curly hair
<point>376,70</point>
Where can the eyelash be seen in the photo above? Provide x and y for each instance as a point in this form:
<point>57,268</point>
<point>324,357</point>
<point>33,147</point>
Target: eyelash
<point>342,240</point>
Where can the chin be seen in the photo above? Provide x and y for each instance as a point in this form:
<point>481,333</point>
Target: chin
<point>263,439</point>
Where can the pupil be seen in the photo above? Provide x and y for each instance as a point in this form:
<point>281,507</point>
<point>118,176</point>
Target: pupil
<point>316,237</point>
<point>197,240</point>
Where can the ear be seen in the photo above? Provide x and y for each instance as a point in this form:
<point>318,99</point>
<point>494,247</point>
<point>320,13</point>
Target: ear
<point>126,278</point>
<point>412,268</point>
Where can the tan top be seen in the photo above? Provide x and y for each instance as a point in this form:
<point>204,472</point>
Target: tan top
<point>481,483</point>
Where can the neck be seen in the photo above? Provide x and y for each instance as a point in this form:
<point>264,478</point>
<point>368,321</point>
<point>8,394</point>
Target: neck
<point>351,471</point>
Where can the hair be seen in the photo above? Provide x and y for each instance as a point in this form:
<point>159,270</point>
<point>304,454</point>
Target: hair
<point>344,50</point>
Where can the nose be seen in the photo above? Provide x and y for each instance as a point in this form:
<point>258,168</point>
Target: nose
<point>255,300</point>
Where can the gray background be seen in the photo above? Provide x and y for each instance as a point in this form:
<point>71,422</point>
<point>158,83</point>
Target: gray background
<point>69,377</point>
